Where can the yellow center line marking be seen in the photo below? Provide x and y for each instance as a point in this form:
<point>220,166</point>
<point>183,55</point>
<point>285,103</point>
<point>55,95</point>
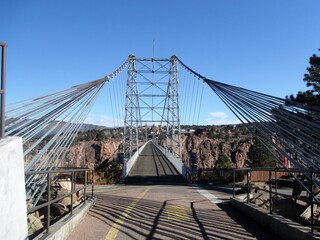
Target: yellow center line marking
<point>113,232</point>
<point>176,212</point>
<point>108,190</point>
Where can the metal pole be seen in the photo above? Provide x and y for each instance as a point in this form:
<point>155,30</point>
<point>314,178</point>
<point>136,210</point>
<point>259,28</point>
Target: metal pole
<point>276,181</point>
<point>248,188</point>
<point>311,201</point>
<point>48,200</point>
<point>92,190</point>
<point>72,189</point>
<point>270,192</point>
<point>3,88</point>
<point>234,182</point>
<point>85,186</point>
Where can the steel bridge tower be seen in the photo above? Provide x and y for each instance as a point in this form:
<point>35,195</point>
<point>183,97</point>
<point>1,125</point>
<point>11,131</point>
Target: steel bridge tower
<point>152,105</point>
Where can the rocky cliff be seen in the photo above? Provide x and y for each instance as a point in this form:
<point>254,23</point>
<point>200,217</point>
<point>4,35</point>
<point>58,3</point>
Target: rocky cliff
<point>91,154</point>
<point>208,150</point>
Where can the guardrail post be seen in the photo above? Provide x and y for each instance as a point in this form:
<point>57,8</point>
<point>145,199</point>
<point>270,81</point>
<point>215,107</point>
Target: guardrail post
<point>311,201</point>
<point>248,187</point>
<point>3,88</point>
<point>276,181</point>
<point>270,192</point>
<point>48,200</point>
<point>234,182</point>
<point>92,182</point>
<point>85,186</point>
<point>72,190</point>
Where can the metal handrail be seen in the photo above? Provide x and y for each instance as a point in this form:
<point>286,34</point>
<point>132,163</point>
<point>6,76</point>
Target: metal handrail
<point>73,190</point>
<point>310,200</point>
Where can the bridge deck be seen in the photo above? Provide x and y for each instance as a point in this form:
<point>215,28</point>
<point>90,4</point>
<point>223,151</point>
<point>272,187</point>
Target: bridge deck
<point>153,167</point>
<point>170,211</point>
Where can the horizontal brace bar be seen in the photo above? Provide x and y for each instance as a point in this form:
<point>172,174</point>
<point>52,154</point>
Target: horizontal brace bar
<point>153,71</point>
<point>57,171</point>
<point>152,59</point>
<point>31,210</point>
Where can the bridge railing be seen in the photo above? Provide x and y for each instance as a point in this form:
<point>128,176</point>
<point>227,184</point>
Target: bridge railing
<point>47,206</point>
<point>276,182</point>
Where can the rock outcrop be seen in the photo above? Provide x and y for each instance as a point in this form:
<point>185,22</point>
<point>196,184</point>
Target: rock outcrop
<point>90,154</point>
<point>208,150</point>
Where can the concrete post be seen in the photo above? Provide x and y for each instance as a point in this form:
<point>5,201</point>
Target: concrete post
<point>13,217</point>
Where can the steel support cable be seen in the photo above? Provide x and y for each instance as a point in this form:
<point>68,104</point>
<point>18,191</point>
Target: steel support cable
<point>40,127</point>
<point>113,94</point>
<point>45,148</point>
<point>248,110</point>
<point>271,97</point>
<point>57,153</point>
<point>301,122</point>
<point>121,103</point>
<point>243,122</point>
<point>200,105</point>
<point>30,102</point>
<point>109,87</point>
<point>74,122</point>
<point>49,117</point>
<point>79,87</point>
<point>189,101</point>
<point>305,139</point>
<point>276,145</point>
<point>283,103</point>
<point>37,110</point>
<point>270,109</point>
<point>27,115</point>
<point>307,133</point>
<point>242,118</point>
<point>120,106</point>
<point>190,109</point>
<point>195,104</point>
<point>269,118</point>
<point>123,97</point>
<point>183,94</point>
<point>309,123</point>
<point>55,150</point>
<point>94,83</point>
<point>46,165</point>
<point>117,99</point>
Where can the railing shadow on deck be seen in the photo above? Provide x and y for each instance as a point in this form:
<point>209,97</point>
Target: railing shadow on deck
<point>156,220</point>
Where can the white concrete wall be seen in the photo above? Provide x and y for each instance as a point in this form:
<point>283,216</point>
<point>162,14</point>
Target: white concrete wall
<point>13,212</point>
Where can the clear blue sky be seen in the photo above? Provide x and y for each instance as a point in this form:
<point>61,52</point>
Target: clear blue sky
<point>263,45</point>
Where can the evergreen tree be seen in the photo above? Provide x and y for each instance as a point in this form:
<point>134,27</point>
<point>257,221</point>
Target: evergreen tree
<point>261,157</point>
<point>312,79</point>
<point>223,162</point>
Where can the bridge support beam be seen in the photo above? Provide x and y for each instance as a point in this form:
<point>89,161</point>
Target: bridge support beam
<point>12,190</point>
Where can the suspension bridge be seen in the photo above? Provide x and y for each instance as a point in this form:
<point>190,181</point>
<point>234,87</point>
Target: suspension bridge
<point>162,94</point>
